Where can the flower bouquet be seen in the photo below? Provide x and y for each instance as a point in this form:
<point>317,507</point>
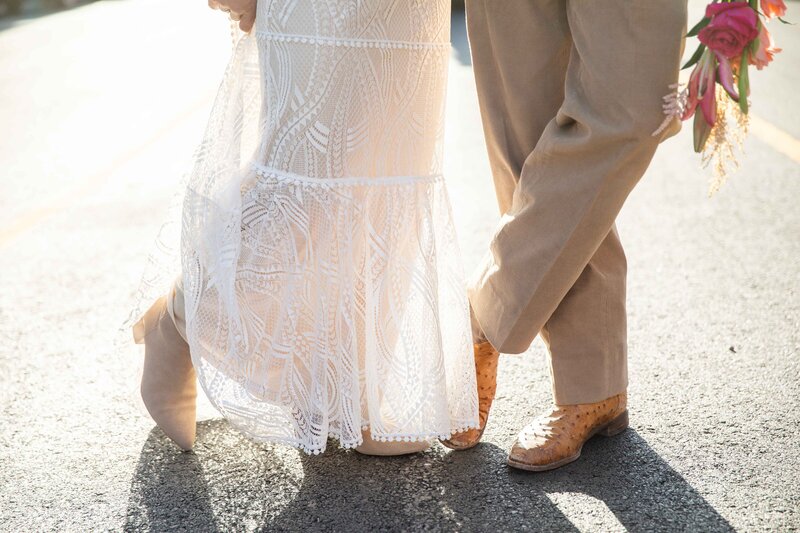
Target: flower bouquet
<point>733,36</point>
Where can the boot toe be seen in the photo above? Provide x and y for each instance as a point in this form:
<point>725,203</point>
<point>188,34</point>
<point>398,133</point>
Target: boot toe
<point>522,454</point>
<point>176,421</point>
<point>184,440</point>
<point>181,432</point>
<point>464,440</point>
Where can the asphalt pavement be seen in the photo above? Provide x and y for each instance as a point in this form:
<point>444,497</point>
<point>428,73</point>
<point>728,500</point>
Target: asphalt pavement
<point>101,107</point>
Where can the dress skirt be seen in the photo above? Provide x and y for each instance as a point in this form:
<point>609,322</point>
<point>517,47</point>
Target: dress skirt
<point>321,273</point>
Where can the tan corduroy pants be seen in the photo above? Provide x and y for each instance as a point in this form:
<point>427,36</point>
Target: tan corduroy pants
<point>570,92</point>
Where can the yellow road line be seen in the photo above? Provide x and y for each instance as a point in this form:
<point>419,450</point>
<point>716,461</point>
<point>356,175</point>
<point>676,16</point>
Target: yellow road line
<point>33,218</point>
<point>778,139</point>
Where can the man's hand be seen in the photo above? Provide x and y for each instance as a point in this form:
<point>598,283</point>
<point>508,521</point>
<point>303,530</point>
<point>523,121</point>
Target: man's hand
<point>241,11</point>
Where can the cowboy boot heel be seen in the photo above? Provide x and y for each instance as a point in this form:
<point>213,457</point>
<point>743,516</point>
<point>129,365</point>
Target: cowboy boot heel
<point>616,426</point>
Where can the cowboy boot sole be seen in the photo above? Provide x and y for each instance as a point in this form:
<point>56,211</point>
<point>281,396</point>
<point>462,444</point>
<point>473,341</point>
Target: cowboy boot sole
<point>615,427</point>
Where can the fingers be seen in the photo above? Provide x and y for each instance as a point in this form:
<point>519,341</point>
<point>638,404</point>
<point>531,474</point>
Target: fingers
<point>246,22</point>
<point>243,12</point>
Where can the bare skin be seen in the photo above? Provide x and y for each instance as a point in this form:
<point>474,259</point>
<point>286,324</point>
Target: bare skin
<point>241,11</point>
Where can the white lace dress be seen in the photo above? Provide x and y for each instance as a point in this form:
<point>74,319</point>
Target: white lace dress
<point>322,278</point>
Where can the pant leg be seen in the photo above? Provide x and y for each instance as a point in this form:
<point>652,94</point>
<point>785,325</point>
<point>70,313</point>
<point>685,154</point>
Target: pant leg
<point>513,126</point>
<point>587,334</point>
<point>624,56</point>
<point>520,51</point>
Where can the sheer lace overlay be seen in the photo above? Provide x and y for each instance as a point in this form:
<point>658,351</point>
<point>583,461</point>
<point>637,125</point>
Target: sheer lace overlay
<point>322,277</point>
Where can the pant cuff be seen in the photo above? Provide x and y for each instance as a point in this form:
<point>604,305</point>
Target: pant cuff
<point>563,395</point>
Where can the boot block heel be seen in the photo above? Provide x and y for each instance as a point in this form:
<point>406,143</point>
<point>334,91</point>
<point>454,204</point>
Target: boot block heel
<point>616,426</point>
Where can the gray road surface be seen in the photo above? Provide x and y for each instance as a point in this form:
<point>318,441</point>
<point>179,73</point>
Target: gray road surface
<point>100,109</point>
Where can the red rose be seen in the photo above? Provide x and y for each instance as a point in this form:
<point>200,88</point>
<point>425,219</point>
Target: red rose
<point>733,26</point>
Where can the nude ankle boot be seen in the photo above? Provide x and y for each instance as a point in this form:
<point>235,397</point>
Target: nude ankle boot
<point>168,387</point>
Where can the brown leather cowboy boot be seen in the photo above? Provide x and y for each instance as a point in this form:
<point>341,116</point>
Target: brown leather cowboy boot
<point>556,439</point>
<point>486,358</point>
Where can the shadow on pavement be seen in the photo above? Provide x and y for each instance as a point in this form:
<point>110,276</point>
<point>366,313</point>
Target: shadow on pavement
<point>642,491</point>
<point>233,483</point>
<point>168,489</point>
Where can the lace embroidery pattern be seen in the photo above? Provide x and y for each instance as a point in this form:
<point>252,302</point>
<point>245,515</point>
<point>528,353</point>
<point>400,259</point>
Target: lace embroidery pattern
<point>355,43</point>
<point>322,277</point>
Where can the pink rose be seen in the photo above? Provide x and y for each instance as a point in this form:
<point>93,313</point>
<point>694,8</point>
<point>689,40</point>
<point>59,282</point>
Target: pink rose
<point>766,49</point>
<point>773,8</point>
<point>733,26</point>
